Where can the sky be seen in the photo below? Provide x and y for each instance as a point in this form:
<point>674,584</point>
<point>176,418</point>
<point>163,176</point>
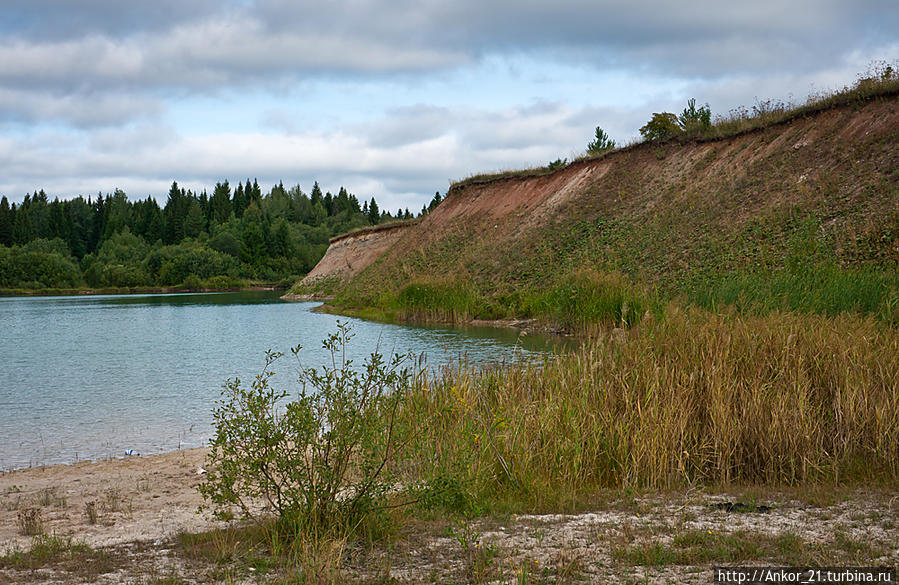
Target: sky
<point>391,99</point>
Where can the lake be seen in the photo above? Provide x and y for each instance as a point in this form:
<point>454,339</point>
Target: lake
<point>91,377</point>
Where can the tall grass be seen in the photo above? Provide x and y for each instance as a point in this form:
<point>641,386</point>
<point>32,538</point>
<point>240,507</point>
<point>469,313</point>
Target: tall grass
<point>881,80</point>
<point>827,290</point>
<point>449,300</point>
<point>587,298</point>
<point>692,399</point>
<point>576,302</point>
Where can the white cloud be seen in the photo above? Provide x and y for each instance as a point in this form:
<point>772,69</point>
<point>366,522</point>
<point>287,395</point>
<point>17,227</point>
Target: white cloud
<point>89,92</point>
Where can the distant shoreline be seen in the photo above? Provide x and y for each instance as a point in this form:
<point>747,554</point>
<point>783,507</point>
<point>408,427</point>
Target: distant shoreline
<point>52,292</point>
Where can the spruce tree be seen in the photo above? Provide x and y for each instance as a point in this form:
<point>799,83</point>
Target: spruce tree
<point>22,232</point>
<point>6,222</point>
<point>434,202</point>
<point>220,203</point>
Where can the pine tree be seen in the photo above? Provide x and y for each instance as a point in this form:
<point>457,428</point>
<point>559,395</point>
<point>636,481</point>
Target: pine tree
<point>194,220</point>
<point>175,211</point>
<point>240,201</point>
<point>80,216</point>
<point>57,226</point>
<point>316,195</point>
<point>434,202</point>
<point>98,223</point>
<point>601,142</point>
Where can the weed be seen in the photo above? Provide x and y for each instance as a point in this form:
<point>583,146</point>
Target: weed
<point>30,522</point>
<point>12,504</point>
<point>112,500</point>
<point>478,558</point>
<point>62,552</point>
<point>90,512</point>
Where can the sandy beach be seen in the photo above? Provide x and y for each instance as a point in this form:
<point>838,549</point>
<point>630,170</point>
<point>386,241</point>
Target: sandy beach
<point>145,499</point>
<point>130,512</point>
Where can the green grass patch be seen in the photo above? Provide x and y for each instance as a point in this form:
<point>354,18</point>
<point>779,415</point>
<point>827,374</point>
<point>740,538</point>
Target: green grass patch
<point>449,300</point>
<point>700,547</point>
<point>589,298</point>
<point>826,289</point>
<point>62,553</point>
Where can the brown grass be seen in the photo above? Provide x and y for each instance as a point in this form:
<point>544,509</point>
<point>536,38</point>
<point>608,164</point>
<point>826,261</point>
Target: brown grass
<point>693,399</point>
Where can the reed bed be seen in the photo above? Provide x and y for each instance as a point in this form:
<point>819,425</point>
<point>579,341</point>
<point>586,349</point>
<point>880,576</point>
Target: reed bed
<point>691,399</point>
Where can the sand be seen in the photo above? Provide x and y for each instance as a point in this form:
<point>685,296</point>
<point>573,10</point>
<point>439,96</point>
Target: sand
<point>147,499</point>
<point>142,503</point>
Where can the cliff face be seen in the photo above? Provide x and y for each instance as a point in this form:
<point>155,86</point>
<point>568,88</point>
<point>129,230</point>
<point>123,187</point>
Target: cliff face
<point>664,215</point>
<point>351,253</point>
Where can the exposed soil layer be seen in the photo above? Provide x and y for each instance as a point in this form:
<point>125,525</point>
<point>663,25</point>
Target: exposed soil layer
<point>662,214</point>
<point>349,254</point>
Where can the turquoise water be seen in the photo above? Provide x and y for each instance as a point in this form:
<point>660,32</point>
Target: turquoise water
<point>91,377</point>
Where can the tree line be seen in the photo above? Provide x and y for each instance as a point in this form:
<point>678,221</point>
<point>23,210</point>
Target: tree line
<point>195,240</point>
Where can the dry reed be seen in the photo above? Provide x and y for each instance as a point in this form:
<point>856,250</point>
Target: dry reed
<point>694,398</point>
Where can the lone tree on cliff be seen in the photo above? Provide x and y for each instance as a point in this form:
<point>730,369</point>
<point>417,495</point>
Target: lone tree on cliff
<point>601,142</point>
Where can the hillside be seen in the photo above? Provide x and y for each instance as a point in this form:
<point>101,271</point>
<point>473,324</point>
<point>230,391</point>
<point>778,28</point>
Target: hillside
<point>800,214</point>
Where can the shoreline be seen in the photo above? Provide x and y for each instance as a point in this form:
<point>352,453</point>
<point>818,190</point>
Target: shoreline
<point>525,325</point>
<point>68,292</point>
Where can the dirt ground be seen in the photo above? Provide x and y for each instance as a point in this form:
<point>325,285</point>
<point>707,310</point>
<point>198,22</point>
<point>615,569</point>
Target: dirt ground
<point>133,509</point>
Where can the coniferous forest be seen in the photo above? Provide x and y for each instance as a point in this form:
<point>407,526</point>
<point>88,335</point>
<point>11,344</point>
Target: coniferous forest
<point>228,239</point>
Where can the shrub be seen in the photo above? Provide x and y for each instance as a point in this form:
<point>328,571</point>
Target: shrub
<point>661,127</point>
<point>559,163</point>
<point>320,461</point>
<point>695,121</point>
<point>171,265</point>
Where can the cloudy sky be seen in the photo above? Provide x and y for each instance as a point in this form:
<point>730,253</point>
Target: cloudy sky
<point>392,99</point>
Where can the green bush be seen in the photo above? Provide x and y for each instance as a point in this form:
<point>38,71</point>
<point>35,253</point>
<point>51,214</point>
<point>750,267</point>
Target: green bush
<point>225,242</point>
<point>661,127</point>
<point>171,265</point>
<point>38,264</point>
<point>323,460</point>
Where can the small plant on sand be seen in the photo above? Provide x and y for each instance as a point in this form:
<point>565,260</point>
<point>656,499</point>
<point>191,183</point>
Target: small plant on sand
<point>90,512</point>
<point>321,462</point>
<point>30,522</point>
